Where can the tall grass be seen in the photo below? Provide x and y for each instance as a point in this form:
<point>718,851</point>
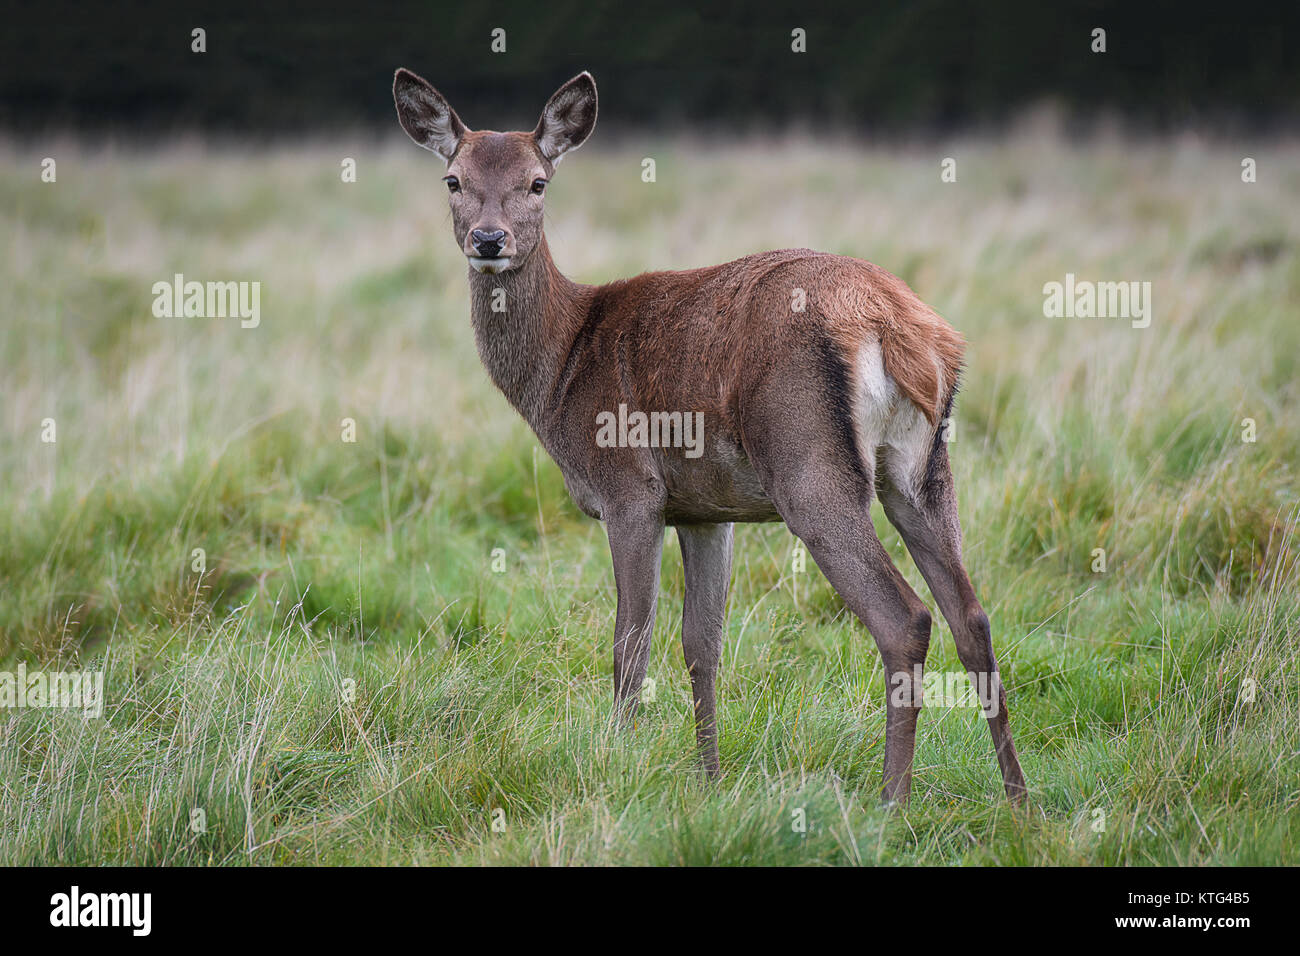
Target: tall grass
<point>349,681</point>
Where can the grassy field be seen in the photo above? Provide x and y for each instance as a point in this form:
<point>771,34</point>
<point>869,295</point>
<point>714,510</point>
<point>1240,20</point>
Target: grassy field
<point>348,679</point>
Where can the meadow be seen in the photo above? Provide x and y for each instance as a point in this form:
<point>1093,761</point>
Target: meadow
<point>397,649</point>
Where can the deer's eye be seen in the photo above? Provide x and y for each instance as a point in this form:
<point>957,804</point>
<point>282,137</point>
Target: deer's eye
<point>453,184</point>
<point>539,186</point>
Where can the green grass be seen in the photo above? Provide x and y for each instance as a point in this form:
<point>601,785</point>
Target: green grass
<point>349,681</point>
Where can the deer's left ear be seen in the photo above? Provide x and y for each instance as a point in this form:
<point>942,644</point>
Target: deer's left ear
<point>426,116</point>
<point>568,118</point>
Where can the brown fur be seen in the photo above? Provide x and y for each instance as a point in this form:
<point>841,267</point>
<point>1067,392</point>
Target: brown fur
<point>922,353</point>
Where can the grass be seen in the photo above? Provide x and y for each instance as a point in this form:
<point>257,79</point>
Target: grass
<point>349,681</point>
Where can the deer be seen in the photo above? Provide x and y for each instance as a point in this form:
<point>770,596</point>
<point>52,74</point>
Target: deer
<point>823,381</point>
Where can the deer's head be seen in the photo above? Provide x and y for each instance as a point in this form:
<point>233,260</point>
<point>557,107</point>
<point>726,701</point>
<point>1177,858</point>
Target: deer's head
<point>496,182</point>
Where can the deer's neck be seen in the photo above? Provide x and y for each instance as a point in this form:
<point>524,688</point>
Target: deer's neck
<point>525,321</point>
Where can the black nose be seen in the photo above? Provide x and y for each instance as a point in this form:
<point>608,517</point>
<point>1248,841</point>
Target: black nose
<point>488,244</point>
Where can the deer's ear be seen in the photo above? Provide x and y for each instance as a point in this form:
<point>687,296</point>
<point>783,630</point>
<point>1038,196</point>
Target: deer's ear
<point>568,119</point>
<point>427,118</point>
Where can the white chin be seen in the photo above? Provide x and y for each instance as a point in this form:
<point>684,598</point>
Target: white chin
<point>489,267</point>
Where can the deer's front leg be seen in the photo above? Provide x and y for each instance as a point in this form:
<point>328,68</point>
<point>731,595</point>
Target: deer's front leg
<point>636,538</point>
<point>706,559</point>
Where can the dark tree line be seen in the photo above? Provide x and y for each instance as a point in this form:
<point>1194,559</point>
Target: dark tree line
<point>869,65</point>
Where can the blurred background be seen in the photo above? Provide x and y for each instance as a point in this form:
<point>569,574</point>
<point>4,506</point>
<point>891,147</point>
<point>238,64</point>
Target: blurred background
<point>892,66</point>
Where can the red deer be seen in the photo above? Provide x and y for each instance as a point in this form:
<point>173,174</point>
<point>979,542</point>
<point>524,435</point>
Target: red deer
<point>822,380</point>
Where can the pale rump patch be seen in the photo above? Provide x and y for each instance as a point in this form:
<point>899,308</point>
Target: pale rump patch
<point>890,427</point>
<point>906,449</point>
<point>871,372</point>
<point>875,400</point>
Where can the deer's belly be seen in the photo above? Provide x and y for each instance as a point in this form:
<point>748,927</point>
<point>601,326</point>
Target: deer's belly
<point>717,484</point>
<point>721,485</point>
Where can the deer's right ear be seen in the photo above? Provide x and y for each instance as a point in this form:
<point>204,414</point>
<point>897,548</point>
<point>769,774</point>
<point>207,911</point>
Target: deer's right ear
<point>427,118</point>
<point>568,118</point>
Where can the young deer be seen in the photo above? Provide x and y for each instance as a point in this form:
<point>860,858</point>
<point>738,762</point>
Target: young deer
<point>821,379</point>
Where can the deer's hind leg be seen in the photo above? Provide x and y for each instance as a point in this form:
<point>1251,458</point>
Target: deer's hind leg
<point>823,491</point>
<point>920,500</point>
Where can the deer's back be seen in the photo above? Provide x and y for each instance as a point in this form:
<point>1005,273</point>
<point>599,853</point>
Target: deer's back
<point>696,337</point>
